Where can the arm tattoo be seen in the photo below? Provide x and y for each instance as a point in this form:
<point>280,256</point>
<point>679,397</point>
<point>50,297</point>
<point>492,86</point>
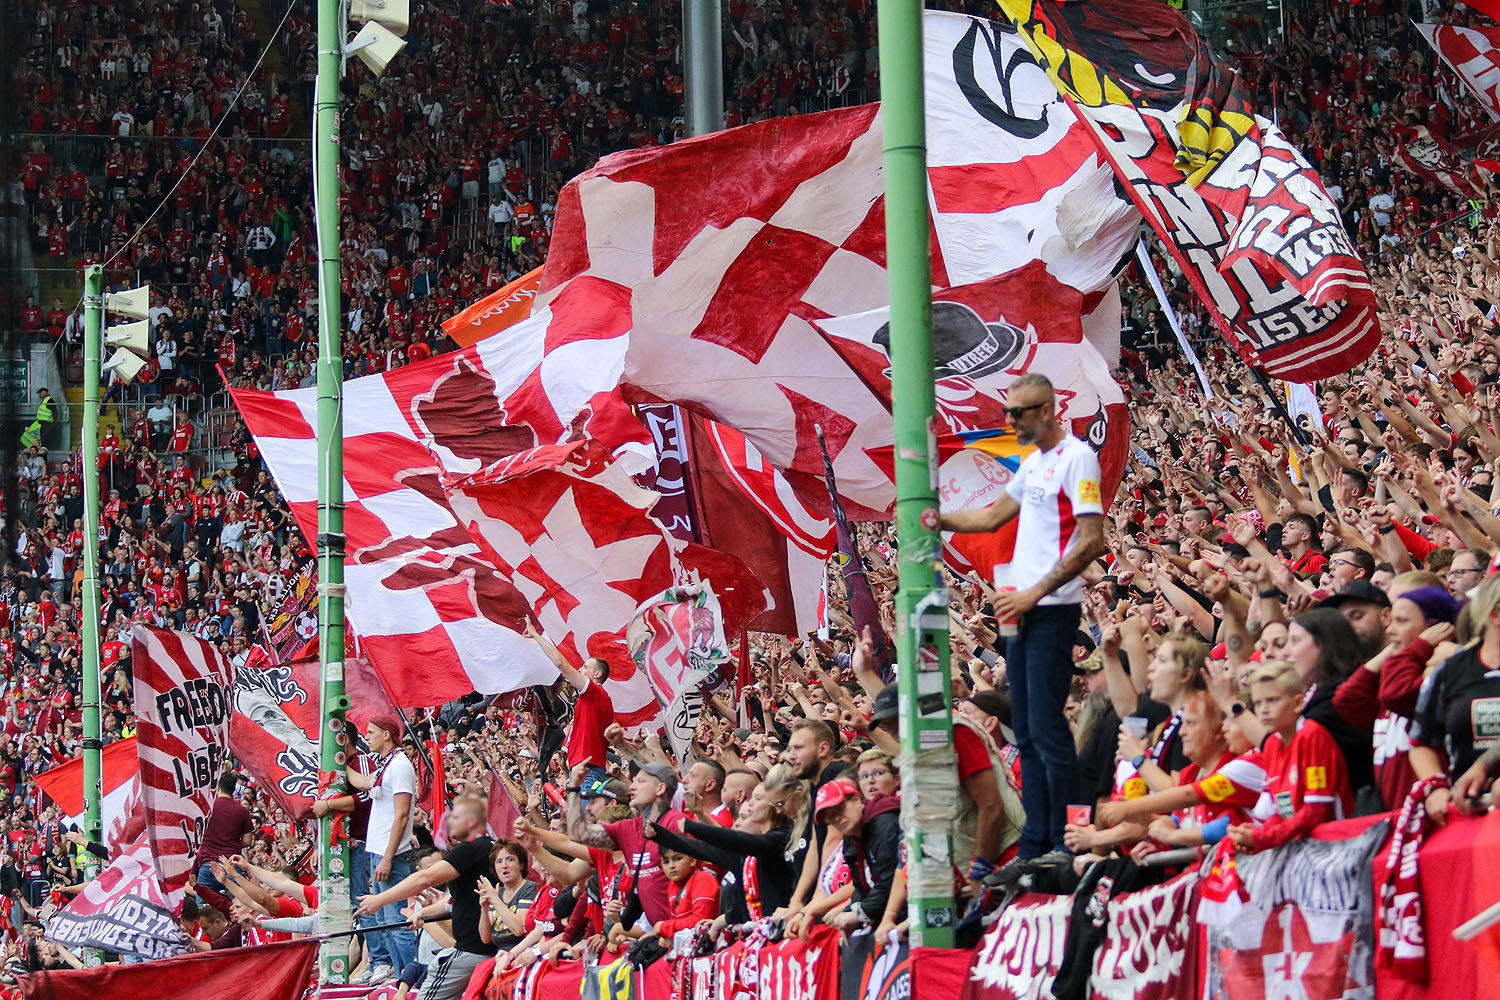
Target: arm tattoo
<point>1070,565</point>
<point>586,833</point>
<point>1235,642</point>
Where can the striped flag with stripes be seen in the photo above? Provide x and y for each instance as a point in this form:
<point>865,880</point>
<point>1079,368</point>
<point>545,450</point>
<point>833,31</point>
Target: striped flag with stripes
<point>183,688</point>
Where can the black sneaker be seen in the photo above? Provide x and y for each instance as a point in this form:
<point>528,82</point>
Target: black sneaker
<point>1008,872</point>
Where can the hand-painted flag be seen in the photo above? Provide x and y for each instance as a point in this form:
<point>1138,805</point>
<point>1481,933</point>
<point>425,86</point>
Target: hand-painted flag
<point>1246,217</point>
<point>1423,154</point>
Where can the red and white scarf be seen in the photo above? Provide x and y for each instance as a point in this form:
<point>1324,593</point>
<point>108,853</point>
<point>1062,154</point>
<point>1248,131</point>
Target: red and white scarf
<point>1403,944</point>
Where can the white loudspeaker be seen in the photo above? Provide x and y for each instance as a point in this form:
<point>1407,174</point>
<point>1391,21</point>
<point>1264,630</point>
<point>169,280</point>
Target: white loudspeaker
<point>125,364</point>
<point>135,303</point>
<point>375,45</point>
<point>131,336</point>
<point>394,14</point>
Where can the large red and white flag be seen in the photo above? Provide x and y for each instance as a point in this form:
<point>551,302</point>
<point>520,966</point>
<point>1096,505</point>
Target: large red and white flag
<point>1238,206</point>
<point>419,591</point>
<point>734,244</point>
<point>120,798</point>
<point>124,910</point>
<point>577,539</point>
<point>183,690</point>
<point>274,729</point>
<point>1472,53</point>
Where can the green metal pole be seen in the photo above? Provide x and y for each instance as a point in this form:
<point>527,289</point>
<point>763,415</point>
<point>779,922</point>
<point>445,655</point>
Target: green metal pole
<point>93,320</point>
<point>333,872</point>
<point>929,779</point>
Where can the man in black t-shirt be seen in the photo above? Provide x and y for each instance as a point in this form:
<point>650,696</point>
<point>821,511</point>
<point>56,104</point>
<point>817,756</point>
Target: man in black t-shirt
<point>461,868</point>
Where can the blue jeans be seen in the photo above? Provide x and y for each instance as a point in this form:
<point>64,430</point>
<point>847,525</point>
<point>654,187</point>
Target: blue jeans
<point>206,877</point>
<point>359,885</point>
<point>1039,665</point>
<point>396,947</point>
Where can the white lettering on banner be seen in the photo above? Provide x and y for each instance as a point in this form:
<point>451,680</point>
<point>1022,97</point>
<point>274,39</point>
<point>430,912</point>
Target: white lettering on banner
<point>1148,937</point>
<point>788,975</point>
<point>1021,953</point>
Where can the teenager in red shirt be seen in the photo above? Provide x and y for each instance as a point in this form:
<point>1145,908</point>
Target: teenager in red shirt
<point>593,713</point>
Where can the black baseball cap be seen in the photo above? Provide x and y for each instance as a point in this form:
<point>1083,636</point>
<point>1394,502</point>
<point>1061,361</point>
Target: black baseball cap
<point>1359,590</point>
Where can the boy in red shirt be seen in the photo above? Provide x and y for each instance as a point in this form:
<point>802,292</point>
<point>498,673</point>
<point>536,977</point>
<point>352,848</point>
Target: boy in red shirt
<point>592,714</point>
<point>694,894</point>
<point>1307,782</point>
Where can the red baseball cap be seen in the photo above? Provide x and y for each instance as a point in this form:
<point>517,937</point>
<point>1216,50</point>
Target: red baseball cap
<point>832,794</point>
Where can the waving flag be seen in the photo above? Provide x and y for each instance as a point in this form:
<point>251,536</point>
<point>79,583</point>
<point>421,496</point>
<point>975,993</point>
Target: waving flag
<point>419,589</point>
<point>677,640</point>
<point>501,309</point>
<point>123,910</point>
<point>1472,53</point>
<point>1244,214</point>
<point>580,545</point>
<point>735,243</point>
<point>1430,158</point>
<point>274,729</point>
<point>121,792</point>
<point>182,701</point>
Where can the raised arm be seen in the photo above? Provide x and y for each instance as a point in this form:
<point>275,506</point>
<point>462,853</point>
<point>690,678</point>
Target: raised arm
<point>569,673</point>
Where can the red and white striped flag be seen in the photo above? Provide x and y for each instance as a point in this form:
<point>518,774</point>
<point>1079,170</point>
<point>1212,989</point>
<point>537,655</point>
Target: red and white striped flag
<point>183,691</point>
<point>1472,53</point>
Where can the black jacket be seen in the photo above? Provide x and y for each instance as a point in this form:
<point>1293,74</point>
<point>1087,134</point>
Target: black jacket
<point>874,854</point>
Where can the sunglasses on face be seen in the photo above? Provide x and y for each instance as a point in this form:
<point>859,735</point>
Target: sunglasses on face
<point>1016,412</point>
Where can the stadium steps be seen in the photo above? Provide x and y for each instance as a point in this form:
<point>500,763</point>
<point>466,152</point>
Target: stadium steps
<point>260,17</point>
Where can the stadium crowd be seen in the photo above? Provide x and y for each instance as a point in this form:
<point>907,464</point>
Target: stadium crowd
<point>1268,595</point>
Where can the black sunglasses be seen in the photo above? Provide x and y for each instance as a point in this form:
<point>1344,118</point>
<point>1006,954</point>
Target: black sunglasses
<point>1016,411</point>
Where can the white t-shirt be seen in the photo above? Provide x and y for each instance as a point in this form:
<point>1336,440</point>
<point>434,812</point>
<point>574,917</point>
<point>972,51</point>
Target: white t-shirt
<point>396,778</point>
<point>1053,487</point>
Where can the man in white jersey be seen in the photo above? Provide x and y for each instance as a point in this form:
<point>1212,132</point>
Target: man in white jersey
<point>1055,494</point>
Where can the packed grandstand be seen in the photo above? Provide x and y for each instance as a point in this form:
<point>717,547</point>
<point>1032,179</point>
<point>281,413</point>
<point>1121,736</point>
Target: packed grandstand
<point>1289,636</point>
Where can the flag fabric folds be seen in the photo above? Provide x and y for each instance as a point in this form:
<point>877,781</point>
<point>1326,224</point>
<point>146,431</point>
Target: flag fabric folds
<point>123,910</point>
<point>1472,53</point>
<point>274,727</point>
<point>581,547</point>
<point>677,639</point>
<point>278,971</point>
<point>182,699</point>
<point>1243,213</point>
<point>119,806</point>
<point>734,244</point>
<point>1432,159</point>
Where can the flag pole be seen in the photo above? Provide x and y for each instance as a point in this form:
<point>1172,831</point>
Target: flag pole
<point>93,792</point>
<point>703,66</point>
<point>928,765</point>
<point>333,869</point>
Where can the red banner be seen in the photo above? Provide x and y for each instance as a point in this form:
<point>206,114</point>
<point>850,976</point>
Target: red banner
<point>265,972</point>
<point>274,729</point>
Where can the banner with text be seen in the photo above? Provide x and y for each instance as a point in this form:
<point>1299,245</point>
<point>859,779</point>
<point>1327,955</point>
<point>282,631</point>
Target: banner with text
<point>182,701</point>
